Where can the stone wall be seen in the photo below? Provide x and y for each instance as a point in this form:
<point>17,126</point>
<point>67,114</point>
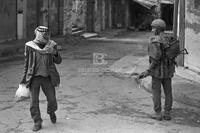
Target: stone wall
<point>31,18</point>
<point>102,15</point>
<point>74,14</point>
<point>8,20</point>
<point>192,34</point>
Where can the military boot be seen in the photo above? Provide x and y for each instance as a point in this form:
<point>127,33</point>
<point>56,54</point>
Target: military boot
<point>157,116</point>
<point>166,116</point>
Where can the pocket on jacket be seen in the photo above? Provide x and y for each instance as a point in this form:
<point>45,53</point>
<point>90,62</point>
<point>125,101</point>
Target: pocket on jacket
<point>54,76</point>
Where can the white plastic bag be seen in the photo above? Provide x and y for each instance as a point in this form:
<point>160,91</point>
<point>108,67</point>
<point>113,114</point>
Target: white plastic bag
<point>22,93</point>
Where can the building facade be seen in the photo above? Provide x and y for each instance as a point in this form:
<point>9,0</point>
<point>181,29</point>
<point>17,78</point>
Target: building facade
<point>46,12</point>
<point>98,15</point>
<point>90,15</point>
<point>192,34</point>
<point>19,18</point>
<point>8,17</point>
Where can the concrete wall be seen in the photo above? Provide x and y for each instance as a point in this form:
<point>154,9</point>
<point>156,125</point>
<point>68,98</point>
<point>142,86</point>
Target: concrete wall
<point>8,20</point>
<point>102,15</point>
<point>31,18</point>
<point>45,12</point>
<point>98,15</point>
<point>192,34</point>
<point>54,16</point>
<point>74,13</point>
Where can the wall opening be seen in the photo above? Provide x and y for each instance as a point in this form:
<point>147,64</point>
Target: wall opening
<point>140,17</point>
<point>118,14</point>
<point>197,4</point>
<point>90,16</point>
<point>167,13</point>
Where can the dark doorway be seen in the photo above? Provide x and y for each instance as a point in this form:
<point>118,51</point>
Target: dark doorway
<point>90,16</point>
<point>167,15</point>
<point>118,11</point>
<point>140,16</point>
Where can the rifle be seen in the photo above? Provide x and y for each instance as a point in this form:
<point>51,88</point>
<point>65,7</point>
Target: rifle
<point>184,51</point>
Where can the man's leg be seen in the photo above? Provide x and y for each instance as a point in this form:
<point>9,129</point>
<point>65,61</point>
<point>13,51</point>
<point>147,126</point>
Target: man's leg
<point>49,91</point>
<point>167,86</point>
<point>156,91</point>
<point>34,102</point>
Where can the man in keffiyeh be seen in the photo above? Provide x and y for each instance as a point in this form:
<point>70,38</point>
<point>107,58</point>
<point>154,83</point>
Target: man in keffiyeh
<point>41,55</point>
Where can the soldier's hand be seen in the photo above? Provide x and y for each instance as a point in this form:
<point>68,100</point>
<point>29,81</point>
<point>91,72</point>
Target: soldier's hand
<point>143,75</point>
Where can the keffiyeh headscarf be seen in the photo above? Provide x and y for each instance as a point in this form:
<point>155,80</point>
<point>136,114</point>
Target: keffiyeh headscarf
<point>42,35</point>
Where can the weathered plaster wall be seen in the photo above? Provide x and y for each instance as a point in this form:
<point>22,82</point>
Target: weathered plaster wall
<point>74,13</point>
<point>192,34</point>
<point>31,17</point>
<point>102,14</point>
<point>7,19</point>
<point>97,16</point>
<point>53,17</point>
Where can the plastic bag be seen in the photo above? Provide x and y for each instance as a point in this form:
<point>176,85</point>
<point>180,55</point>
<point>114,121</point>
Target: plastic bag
<point>22,93</point>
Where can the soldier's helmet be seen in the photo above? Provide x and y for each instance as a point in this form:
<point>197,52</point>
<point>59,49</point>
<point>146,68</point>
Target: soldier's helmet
<point>158,23</point>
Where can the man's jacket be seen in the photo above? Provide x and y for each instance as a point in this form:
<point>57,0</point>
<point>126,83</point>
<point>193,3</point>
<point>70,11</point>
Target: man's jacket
<point>29,66</point>
<point>160,67</point>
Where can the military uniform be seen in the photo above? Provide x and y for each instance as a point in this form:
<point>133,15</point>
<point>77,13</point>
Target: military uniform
<point>162,70</point>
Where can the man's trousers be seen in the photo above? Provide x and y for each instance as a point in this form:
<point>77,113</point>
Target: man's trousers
<point>156,90</point>
<point>49,91</point>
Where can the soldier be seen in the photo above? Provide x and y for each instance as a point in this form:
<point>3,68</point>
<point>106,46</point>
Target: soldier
<point>161,69</point>
<point>40,71</point>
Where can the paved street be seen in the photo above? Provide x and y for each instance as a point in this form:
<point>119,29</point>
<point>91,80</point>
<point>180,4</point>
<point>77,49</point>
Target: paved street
<point>91,100</point>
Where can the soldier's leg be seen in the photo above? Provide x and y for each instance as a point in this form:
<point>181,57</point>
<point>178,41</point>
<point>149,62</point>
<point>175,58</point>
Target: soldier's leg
<point>34,100</point>
<point>49,91</point>
<point>156,91</point>
<point>167,86</point>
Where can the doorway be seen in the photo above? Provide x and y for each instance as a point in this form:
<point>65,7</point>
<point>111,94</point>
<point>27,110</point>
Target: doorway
<point>167,13</point>
<point>90,16</point>
<point>119,13</point>
<point>141,16</point>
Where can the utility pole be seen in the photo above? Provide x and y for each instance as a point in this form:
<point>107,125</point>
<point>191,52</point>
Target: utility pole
<point>175,18</point>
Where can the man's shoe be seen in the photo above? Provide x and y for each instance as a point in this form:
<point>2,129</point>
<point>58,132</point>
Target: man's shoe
<point>166,116</point>
<point>37,127</point>
<point>53,118</point>
<point>157,116</point>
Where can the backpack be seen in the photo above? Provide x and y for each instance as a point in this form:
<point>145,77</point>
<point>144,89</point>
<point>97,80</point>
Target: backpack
<point>163,47</point>
<point>173,48</point>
